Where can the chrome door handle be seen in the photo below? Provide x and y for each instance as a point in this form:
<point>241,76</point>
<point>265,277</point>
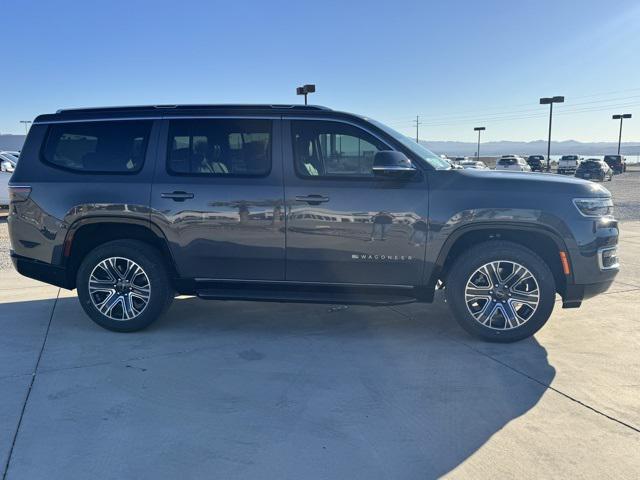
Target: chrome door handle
<point>177,196</point>
<point>312,199</point>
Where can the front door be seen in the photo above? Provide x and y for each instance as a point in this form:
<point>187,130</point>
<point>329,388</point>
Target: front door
<point>218,196</point>
<point>345,225</point>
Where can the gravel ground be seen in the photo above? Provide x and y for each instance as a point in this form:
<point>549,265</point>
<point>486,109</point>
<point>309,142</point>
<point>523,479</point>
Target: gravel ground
<point>5,261</point>
<point>625,189</point>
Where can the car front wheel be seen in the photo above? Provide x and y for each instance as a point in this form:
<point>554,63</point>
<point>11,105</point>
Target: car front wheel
<point>123,285</point>
<point>501,291</point>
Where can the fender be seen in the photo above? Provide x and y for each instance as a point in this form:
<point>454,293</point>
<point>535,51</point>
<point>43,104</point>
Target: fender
<point>480,226</point>
<point>75,226</point>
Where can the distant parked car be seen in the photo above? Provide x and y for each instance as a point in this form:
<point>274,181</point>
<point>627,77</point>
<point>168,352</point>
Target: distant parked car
<point>455,165</point>
<point>568,164</point>
<point>477,164</point>
<point>8,161</point>
<point>617,162</point>
<point>4,189</point>
<point>536,162</point>
<point>512,162</point>
<point>594,169</point>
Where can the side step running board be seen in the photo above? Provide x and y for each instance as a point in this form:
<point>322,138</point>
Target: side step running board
<point>304,296</point>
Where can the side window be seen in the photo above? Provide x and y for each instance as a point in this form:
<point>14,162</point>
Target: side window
<point>114,147</point>
<point>333,149</point>
<point>227,147</point>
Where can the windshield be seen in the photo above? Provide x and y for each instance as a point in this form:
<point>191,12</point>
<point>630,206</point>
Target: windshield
<point>422,152</point>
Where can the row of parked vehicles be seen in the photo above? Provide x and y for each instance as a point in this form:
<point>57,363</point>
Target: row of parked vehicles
<point>590,168</point>
<point>8,162</point>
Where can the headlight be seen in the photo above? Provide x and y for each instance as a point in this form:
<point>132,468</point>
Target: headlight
<point>594,207</point>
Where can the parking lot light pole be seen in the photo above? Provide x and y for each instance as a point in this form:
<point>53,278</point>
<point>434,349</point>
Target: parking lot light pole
<point>620,117</point>
<point>478,129</point>
<point>550,101</point>
<point>26,124</point>
<point>305,90</point>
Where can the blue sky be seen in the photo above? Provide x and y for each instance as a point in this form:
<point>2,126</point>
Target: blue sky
<point>456,63</point>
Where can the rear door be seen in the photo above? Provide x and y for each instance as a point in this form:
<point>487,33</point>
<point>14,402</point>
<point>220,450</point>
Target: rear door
<point>345,225</point>
<point>218,196</point>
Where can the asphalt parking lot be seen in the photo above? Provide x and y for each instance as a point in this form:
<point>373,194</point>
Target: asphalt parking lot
<point>260,390</point>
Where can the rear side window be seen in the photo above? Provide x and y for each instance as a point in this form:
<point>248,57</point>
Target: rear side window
<point>110,147</point>
<point>220,147</point>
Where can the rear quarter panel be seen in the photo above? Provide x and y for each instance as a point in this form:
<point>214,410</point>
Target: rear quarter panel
<point>60,198</point>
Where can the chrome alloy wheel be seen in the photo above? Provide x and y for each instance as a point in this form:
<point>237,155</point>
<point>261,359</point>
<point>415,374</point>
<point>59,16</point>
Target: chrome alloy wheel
<point>502,295</point>
<point>119,288</point>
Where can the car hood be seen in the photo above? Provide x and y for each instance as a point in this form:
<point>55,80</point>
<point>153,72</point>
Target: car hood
<point>522,183</point>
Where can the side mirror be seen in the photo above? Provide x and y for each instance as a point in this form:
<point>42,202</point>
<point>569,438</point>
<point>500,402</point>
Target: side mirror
<point>392,164</point>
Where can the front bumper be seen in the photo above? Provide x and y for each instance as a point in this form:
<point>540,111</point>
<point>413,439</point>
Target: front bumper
<point>594,261</point>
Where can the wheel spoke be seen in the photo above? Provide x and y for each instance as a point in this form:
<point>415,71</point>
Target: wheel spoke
<point>478,291</point>
<point>510,316</point>
<point>517,276</point>
<point>109,303</point>
<point>487,313</point>
<point>491,271</point>
<point>528,298</point>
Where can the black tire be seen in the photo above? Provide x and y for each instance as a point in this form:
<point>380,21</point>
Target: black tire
<point>160,295</point>
<point>492,251</point>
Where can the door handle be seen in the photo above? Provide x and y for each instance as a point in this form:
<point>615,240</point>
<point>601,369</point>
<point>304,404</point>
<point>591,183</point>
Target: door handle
<point>177,196</point>
<point>312,199</point>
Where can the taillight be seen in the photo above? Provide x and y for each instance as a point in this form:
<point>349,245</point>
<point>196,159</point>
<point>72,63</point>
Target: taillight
<point>19,193</point>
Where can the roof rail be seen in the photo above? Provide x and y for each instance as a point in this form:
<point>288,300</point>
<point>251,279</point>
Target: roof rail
<point>134,108</point>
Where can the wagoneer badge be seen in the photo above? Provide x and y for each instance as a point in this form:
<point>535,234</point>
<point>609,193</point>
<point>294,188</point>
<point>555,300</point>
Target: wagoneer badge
<point>366,256</point>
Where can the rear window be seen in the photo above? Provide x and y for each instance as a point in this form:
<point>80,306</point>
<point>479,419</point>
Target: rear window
<point>507,161</point>
<point>569,157</point>
<point>110,147</point>
<point>220,147</point>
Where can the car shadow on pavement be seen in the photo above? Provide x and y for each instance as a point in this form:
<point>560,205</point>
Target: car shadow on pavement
<point>266,390</point>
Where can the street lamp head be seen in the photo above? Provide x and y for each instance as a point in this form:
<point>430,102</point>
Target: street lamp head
<point>303,90</point>
<point>548,100</point>
<point>626,115</point>
<point>477,129</point>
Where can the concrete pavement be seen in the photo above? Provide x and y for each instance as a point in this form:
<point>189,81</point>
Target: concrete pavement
<point>256,390</point>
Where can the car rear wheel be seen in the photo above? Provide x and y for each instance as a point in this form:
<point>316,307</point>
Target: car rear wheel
<point>123,285</point>
<point>501,291</point>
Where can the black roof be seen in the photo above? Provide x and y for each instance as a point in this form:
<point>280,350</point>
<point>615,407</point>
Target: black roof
<point>155,110</point>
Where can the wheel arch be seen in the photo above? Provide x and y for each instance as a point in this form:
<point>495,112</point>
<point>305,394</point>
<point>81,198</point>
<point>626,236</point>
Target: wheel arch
<point>542,240</point>
<point>88,233</point>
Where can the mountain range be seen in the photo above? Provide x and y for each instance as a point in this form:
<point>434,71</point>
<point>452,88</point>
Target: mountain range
<point>455,149</point>
<point>536,147</point>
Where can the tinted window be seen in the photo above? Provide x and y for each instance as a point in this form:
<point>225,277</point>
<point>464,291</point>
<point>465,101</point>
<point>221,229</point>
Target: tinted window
<point>333,149</point>
<point>117,147</point>
<point>229,147</point>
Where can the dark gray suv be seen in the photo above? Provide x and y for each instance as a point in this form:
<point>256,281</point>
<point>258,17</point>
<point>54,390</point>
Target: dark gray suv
<point>132,205</point>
